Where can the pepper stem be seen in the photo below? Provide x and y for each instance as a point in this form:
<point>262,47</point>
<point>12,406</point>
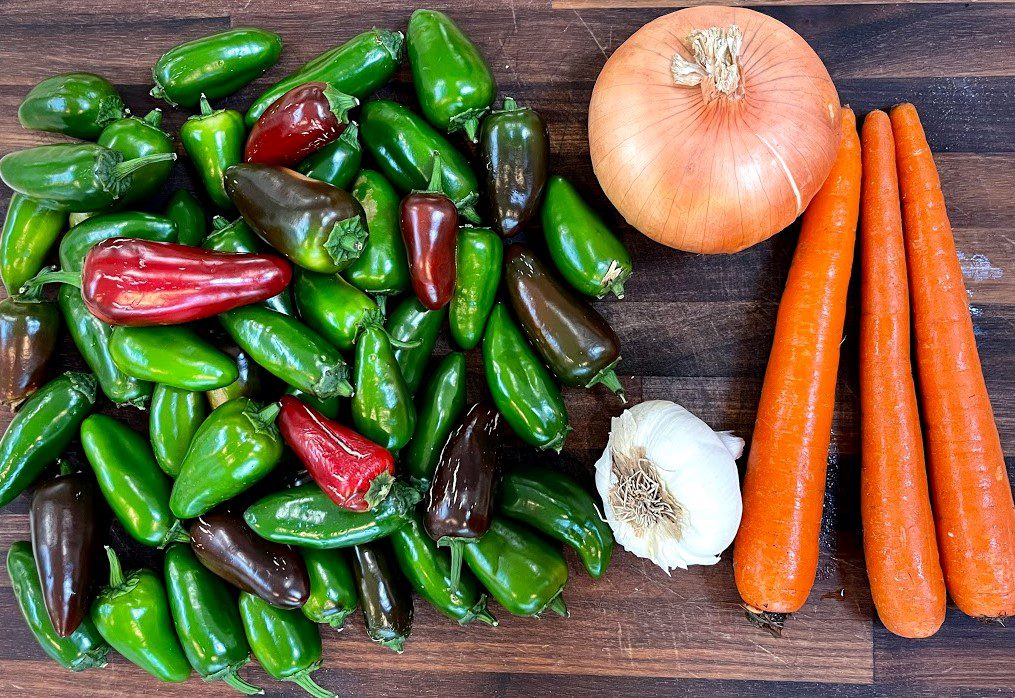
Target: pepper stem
<point>154,118</point>
<point>219,222</point>
<point>65,467</point>
<point>129,167</point>
<point>176,535</point>
<point>340,103</point>
<point>307,683</point>
<point>206,109</point>
<point>268,414</point>
<point>467,121</point>
<point>456,546</point>
<point>52,275</point>
<point>351,135</point>
<point>115,571</point>
<point>558,606</point>
<point>382,305</point>
<point>379,488</point>
<point>609,378</point>
<point>509,104</point>
<point>234,680</point>
<point>436,174</point>
<point>346,240</point>
<point>480,612</point>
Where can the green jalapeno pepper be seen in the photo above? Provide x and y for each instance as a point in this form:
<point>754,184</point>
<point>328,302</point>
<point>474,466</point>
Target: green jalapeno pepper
<point>555,504</point>
<point>385,598</point>
<point>480,258</point>
<point>284,641</point>
<point>454,84</point>
<point>238,237</point>
<point>332,587</point>
<point>247,385</point>
<point>187,213</point>
<point>403,144</point>
<point>358,67</point>
<point>173,419</point>
<point>174,355</point>
<point>136,138</point>
<point>42,429</point>
<point>127,224</point>
<point>216,65</point>
<point>438,408</point>
<point>428,569</point>
<point>586,252</point>
<point>79,105</point>
<point>412,322</point>
<point>82,649</point>
<point>334,307</point>
<point>306,516</point>
<point>214,141</point>
<point>329,408</point>
<point>74,176</point>
<point>289,349</point>
<point>30,231</point>
<point>383,266</point>
<point>236,446</point>
<point>132,614</point>
<point>382,408</point>
<point>521,386</point>
<point>207,620</point>
<point>134,487</point>
<point>524,572</point>
<point>338,162</point>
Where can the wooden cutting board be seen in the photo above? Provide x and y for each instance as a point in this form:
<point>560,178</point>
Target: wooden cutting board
<point>696,330</point>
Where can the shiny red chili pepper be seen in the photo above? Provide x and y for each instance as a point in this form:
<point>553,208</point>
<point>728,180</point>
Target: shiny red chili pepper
<point>354,471</point>
<point>299,123</point>
<point>429,222</point>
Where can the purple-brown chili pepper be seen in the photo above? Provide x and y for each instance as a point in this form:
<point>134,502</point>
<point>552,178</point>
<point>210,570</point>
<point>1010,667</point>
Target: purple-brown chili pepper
<point>429,222</point>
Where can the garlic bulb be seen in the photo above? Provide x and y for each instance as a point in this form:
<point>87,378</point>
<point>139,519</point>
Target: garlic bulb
<point>670,488</point>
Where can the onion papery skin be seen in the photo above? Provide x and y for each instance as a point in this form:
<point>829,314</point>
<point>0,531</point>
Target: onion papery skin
<point>695,169</point>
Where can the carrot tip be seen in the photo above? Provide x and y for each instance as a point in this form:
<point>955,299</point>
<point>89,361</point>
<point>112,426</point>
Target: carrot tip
<point>772,622</point>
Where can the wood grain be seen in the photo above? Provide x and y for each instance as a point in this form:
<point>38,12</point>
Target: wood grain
<point>696,329</point>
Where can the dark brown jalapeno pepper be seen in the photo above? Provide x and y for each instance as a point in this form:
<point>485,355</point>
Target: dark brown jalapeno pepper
<point>429,222</point>
<point>574,340</point>
<point>384,596</point>
<point>28,330</point>
<point>459,505</point>
<point>274,572</point>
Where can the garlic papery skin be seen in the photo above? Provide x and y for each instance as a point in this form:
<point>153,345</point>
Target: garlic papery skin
<point>669,484</point>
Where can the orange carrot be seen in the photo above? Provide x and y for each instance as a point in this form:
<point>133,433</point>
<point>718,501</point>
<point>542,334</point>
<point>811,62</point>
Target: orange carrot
<point>898,526</point>
<point>973,505</point>
<point>776,552</point>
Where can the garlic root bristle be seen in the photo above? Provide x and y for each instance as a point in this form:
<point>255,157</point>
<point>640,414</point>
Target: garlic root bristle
<point>640,499</point>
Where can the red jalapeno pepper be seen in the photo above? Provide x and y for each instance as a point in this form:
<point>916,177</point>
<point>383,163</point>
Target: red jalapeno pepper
<point>299,123</point>
<point>355,472</point>
<point>429,221</point>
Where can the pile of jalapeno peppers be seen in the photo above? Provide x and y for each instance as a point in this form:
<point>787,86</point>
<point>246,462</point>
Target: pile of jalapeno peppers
<point>283,351</point>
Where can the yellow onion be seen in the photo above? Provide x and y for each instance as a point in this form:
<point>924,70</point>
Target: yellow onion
<point>711,128</point>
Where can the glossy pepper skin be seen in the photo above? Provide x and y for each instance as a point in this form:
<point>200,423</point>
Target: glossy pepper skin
<point>355,472</point>
<point>480,258</point>
<point>74,176</point>
<point>337,162</point>
<point>523,390</point>
<point>235,447</point>
<point>214,141</point>
<point>403,145</point>
<point>83,649</point>
<point>428,570</point>
<point>515,150</point>
<point>41,430</point>
<point>29,327</point>
<point>587,253</point>
<point>173,418</point>
<point>186,212</point>
<point>555,504</point>
<point>319,227</point>
<point>173,355</point>
<point>306,516</point>
<point>285,642</point>
<point>334,307</point>
<point>429,223</point>
<point>134,137</point>
<point>238,237</point>
<point>78,105</point>
<point>298,124</point>
<point>247,385</point>
<point>226,546</point>
<point>289,350</point>
<point>132,614</point>
<point>81,238</point>
<point>384,596</point>
<point>454,84</point>
<point>459,503</point>
<point>412,322</point>
<point>358,67</point>
<point>207,620</point>
<point>30,230</point>
<point>133,485</point>
<point>437,408</point>
<point>574,340</point>
<point>215,66</point>
<point>524,572</point>
<point>64,521</point>
<point>332,587</point>
<point>382,406</point>
<point>382,267</point>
